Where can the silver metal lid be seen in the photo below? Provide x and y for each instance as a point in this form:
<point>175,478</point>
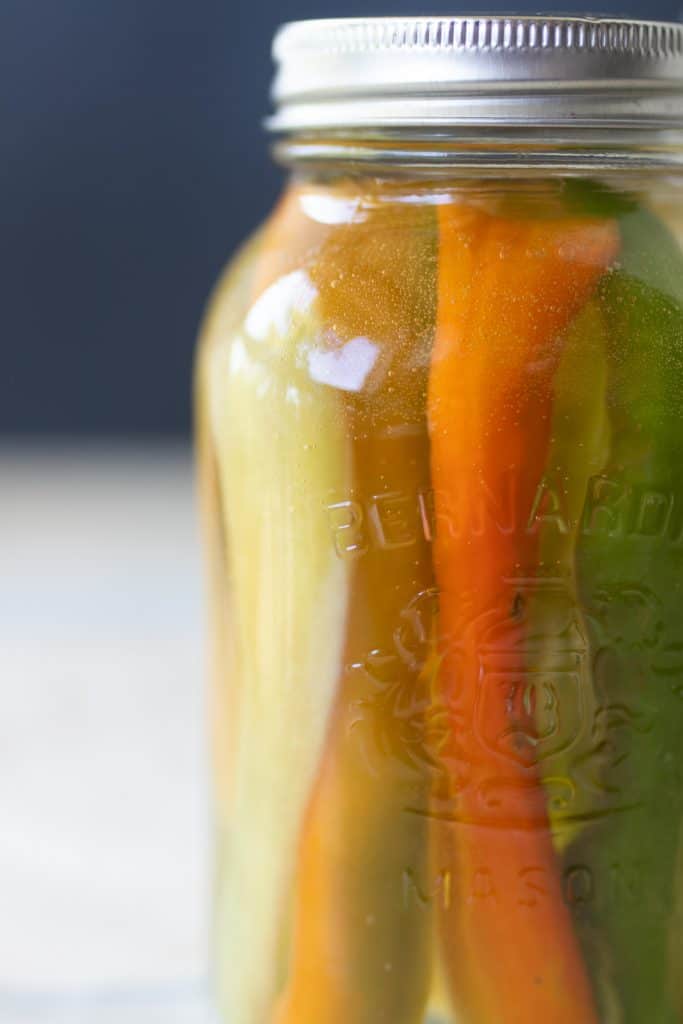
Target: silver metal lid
<point>561,72</point>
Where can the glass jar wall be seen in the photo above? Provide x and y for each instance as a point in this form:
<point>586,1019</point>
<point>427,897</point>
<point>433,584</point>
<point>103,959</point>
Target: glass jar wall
<point>440,421</point>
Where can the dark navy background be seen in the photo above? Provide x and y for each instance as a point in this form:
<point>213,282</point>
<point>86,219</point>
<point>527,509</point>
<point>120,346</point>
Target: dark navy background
<point>132,164</point>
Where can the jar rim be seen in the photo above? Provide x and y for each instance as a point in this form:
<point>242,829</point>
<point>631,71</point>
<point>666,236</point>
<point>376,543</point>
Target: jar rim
<point>468,71</point>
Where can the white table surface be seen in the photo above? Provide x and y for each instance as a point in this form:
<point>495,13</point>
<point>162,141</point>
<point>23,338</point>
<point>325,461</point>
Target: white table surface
<point>103,808</point>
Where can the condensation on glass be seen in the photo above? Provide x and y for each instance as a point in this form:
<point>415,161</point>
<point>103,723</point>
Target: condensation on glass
<point>440,426</point>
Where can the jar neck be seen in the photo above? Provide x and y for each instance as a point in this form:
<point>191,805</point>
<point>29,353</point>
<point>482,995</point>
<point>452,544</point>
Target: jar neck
<point>488,151</point>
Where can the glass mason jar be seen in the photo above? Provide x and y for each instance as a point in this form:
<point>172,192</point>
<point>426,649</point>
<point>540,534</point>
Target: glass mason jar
<point>440,419</point>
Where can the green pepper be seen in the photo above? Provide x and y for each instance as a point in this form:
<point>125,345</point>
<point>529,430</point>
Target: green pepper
<point>280,450</point>
<point>578,449</point>
<point>629,570</point>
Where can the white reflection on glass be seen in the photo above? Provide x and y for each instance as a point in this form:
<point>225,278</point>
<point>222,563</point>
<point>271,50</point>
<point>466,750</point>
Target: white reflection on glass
<point>273,310</point>
<point>425,199</point>
<point>238,357</point>
<point>346,367</point>
<point>329,209</point>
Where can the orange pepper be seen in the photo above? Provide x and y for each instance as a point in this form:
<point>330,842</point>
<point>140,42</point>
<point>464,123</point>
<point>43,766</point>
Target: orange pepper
<point>361,950</point>
<point>507,291</point>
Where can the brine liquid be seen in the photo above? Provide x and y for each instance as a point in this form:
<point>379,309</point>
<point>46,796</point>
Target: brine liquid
<point>403,777</point>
